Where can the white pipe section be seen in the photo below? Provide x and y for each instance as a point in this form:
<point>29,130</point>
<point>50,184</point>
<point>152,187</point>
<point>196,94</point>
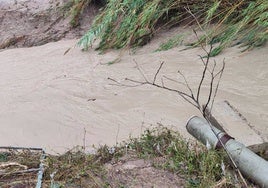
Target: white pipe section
<point>250,164</point>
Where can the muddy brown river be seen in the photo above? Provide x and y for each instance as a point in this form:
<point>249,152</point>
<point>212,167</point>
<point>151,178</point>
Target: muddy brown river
<point>58,101</point>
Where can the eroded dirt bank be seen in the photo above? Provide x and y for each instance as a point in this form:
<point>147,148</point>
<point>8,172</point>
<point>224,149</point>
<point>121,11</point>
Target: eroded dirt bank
<point>32,23</point>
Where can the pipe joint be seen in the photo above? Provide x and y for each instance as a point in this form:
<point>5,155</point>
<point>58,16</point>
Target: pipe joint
<point>223,140</point>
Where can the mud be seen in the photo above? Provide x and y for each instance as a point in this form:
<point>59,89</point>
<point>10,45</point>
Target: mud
<point>27,23</point>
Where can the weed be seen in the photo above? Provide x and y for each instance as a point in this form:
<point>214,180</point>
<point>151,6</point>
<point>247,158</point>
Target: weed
<point>4,157</point>
<point>73,167</point>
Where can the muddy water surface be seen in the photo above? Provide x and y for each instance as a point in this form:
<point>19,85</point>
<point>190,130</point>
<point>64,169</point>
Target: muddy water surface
<point>58,101</point>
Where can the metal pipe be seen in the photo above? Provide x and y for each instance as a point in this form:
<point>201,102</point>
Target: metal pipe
<point>41,170</point>
<point>250,164</point>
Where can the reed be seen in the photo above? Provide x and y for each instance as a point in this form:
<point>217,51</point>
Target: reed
<point>125,23</point>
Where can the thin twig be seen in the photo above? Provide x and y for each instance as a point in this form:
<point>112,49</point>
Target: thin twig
<point>121,84</point>
<point>214,66</point>
<point>162,82</point>
<point>135,81</point>
<point>201,44</point>
<point>173,80</point>
<point>203,77</point>
<point>202,59</point>
<point>186,83</point>
<point>8,164</point>
<point>20,172</point>
<point>217,86</point>
<point>198,23</point>
<point>84,140</point>
<point>158,70</point>
<point>209,96</point>
<point>141,72</point>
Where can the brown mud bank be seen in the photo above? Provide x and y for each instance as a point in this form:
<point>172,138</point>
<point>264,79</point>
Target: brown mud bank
<point>32,23</point>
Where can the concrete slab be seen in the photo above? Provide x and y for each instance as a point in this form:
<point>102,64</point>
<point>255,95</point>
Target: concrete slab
<point>235,124</point>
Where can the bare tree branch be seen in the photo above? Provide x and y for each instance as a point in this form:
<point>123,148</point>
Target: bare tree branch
<point>162,81</point>
<point>209,95</point>
<point>214,66</point>
<point>203,75</point>
<point>198,39</point>
<point>190,97</point>
<point>186,83</point>
<point>190,12</point>
<point>141,72</point>
<point>158,70</point>
<point>202,59</point>
<point>135,81</point>
<point>173,80</point>
<point>117,83</point>
<point>217,86</point>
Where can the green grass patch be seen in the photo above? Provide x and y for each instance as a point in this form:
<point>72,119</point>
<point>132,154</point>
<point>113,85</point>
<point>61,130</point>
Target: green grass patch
<point>200,167</point>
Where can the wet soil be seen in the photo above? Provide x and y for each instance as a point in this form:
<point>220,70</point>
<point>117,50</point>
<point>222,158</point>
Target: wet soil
<point>27,23</point>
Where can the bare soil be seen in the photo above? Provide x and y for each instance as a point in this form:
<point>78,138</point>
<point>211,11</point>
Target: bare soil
<point>27,23</point>
<point>131,171</point>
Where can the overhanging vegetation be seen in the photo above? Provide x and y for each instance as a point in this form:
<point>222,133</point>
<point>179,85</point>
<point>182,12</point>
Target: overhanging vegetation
<point>124,23</point>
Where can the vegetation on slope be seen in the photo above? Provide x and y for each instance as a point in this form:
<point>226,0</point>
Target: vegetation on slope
<point>125,23</point>
<point>163,148</point>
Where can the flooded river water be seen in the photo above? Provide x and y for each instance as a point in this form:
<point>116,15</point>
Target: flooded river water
<point>58,101</point>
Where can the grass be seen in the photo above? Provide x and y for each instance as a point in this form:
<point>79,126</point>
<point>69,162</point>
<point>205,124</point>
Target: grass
<point>72,168</point>
<point>124,23</point>
<point>193,162</point>
<point>247,26</point>
<point>200,167</point>
<point>171,43</point>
